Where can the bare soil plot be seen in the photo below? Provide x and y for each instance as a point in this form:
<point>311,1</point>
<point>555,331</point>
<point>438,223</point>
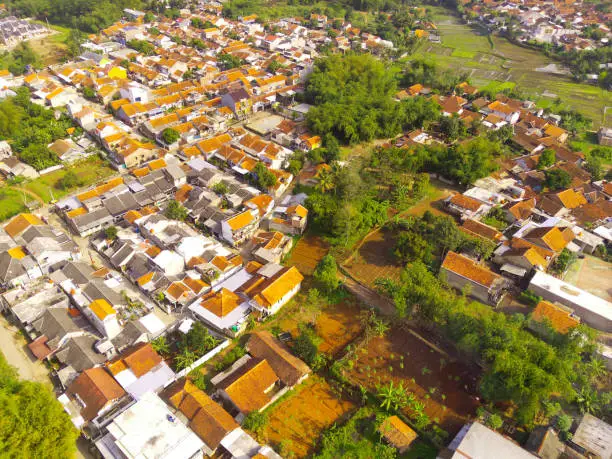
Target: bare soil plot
<point>593,275</point>
<point>307,253</point>
<point>299,420</point>
<point>447,387</point>
<point>337,324</point>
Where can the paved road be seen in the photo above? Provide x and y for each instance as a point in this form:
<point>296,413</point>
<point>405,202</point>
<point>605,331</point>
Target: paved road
<point>14,348</point>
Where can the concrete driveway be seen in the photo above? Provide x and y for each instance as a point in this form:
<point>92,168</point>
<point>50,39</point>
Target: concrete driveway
<point>14,348</point>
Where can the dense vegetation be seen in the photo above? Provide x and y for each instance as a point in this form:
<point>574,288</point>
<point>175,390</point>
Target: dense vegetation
<point>20,59</point>
<point>520,367</point>
<point>87,15</point>
<point>34,424</point>
<point>354,100</point>
<point>29,128</point>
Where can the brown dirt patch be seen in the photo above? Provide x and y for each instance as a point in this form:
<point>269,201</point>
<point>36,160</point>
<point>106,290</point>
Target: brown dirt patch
<point>402,357</point>
<point>307,253</point>
<point>593,275</point>
<point>304,415</point>
<point>337,324</point>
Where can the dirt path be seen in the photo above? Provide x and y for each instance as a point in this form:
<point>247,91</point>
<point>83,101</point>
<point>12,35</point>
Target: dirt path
<point>29,193</point>
<point>368,296</point>
<point>14,349</point>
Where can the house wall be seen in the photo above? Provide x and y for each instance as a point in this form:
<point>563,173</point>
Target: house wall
<point>477,291</point>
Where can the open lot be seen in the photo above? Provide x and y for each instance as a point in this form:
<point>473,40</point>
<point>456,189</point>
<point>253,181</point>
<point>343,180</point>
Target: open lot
<point>446,387</point>
<point>298,420</point>
<point>90,170</point>
<point>11,202</point>
<point>307,253</point>
<point>593,275</point>
<point>495,59</point>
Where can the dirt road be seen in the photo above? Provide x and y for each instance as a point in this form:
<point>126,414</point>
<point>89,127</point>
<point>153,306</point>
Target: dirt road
<point>14,348</point>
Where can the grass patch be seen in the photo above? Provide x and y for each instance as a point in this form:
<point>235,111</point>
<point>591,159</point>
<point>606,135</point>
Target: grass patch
<point>463,54</point>
<point>11,203</point>
<point>90,171</point>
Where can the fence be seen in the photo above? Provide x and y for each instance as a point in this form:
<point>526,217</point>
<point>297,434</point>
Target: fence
<point>205,358</point>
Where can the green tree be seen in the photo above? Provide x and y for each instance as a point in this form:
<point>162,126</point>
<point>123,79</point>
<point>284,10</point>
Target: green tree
<point>170,136</point>
<point>69,180</point>
<point>594,167</point>
<point>326,273</point>
<point>494,421</point>
<point>557,179</point>
<point>306,345</point>
<point>392,397</point>
<point>220,188</point>
<point>265,178</point>
<point>229,61</point>
<point>564,423</point>
<point>185,359</point>
<point>563,261</point>
<point>175,211</point>
<point>547,158</point>
<point>161,346</point>
<point>111,233</point>
<point>34,424</point>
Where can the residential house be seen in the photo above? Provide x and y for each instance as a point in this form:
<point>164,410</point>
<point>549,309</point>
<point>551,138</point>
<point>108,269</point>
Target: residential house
<point>223,310</point>
<point>238,101</point>
<point>290,369</point>
<point>140,370</point>
<point>66,150</point>
<point>592,310</point>
<point>91,396</point>
<point>149,429</point>
<point>484,285</point>
<point>272,287</point>
<point>240,227</point>
<point>548,317</point>
<point>205,417</point>
<point>594,436</point>
<point>250,385</point>
<point>271,247</point>
<point>465,206</point>
<point>288,219</point>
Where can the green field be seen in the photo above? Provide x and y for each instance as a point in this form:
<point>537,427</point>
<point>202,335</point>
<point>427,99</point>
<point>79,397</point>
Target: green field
<point>89,171</point>
<point>11,203</point>
<point>494,62</point>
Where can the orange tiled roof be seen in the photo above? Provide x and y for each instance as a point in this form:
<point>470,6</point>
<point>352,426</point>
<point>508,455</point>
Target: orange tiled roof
<point>248,391</point>
<point>20,223</point>
<point>101,308</point>
<point>141,359</point>
<point>560,319</point>
<point>469,269</point>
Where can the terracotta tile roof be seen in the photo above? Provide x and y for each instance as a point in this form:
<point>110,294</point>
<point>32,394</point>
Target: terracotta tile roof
<point>267,292</point>
<point>241,220</point>
<point>207,418</point>
<point>221,303</point>
<point>20,223</point>
<point>479,229</point>
<point>288,367</point>
<point>465,202</point>
<point>101,308</point>
<point>39,347</point>
<point>571,198</point>
<point>518,243</point>
<point>522,209</point>
<point>469,269</point>
<point>397,433</point>
<point>141,359</point>
<point>177,291</point>
<point>96,388</point>
<point>560,319</point>
<point>131,216</point>
<point>550,237</point>
<point>196,285</point>
<point>248,387</point>
<point>298,210</point>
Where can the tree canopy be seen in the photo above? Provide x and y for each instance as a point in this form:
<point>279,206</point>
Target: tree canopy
<point>34,424</point>
<point>353,98</point>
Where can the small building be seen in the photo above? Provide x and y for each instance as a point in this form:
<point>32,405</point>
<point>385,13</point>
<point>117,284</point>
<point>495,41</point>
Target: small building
<point>397,433</point>
<point>290,369</point>
<point>149,429</point>
<point>604,136</point>
<point>461,271</point>
<point>592,310</point>
<point>595,436</point>
<point>560,319</point>
<point>475,441</point>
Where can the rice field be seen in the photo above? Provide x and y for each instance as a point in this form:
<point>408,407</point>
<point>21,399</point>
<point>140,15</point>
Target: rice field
<point>498,62</point>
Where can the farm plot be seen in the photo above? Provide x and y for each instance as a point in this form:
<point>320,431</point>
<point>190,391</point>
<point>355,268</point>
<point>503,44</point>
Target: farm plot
<point>375,259</point>
<point>307,253</point>
<point>337,324</point>
<point>446,387</point>
<point>298,421</point>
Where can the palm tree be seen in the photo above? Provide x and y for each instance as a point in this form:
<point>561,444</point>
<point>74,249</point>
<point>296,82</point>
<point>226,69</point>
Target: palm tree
<point>327,180</point>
